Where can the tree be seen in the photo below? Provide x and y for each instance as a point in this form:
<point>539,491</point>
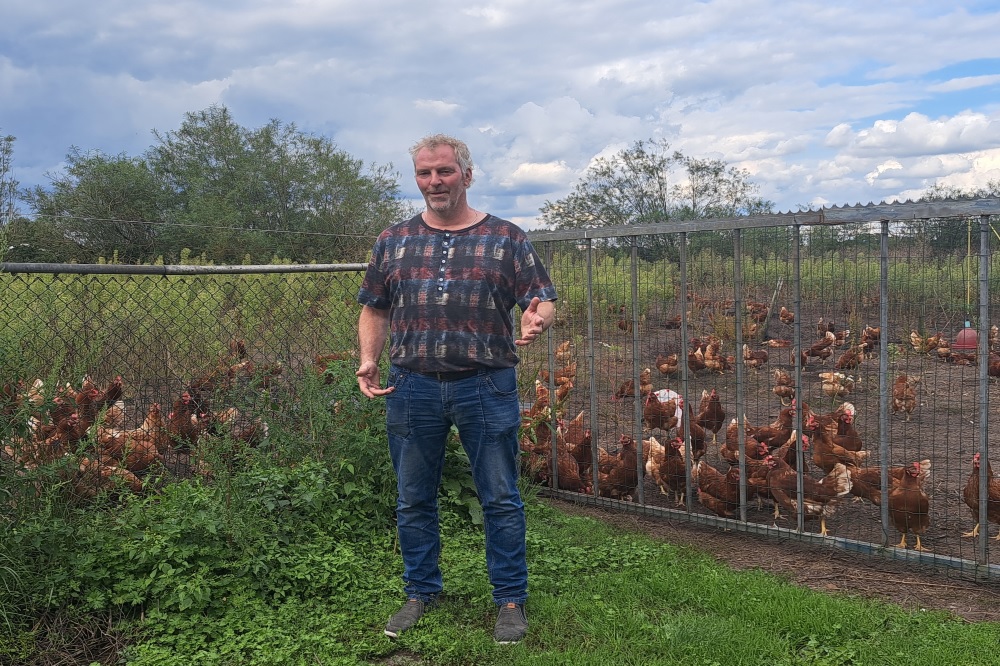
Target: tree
<point>215,188</point>
<point>648,183</point>
<point>21,240</point>
<point>274,191</point>
<point>8,186</point>
<point>631,187</point>
<point>713,189</point>
<point>8,192</point>
<point>100,206</point>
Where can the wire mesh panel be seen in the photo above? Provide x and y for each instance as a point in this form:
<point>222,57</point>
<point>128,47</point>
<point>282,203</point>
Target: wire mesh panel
<point>821,382</point>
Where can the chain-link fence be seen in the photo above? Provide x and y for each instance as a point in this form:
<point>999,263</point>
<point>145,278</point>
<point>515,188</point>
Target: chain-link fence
<point>133,364</point>
<point>880,336</point>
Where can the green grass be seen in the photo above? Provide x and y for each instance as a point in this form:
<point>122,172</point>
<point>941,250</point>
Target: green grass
<point>597,597</point>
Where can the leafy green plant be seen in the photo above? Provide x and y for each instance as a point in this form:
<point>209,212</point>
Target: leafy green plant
<point>458,488</point>
<point>12,589</point>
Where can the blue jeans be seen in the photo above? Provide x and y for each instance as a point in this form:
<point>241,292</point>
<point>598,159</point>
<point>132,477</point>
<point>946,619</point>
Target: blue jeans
<point>486,412</point>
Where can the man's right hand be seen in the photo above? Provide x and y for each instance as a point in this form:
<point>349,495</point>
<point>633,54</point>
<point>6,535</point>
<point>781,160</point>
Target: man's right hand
<point>370,382</point>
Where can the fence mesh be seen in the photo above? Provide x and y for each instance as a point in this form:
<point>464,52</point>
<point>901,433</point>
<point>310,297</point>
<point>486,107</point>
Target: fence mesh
<point>862,324</point>
<point>174,356</point>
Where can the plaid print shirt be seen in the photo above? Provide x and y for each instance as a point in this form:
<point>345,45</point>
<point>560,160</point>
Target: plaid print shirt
<point>451,293</point>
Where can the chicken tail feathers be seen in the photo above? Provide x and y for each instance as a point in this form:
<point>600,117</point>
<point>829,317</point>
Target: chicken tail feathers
<point>838,480</point>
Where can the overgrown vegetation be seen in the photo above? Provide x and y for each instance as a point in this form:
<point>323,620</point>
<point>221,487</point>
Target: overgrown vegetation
<point>188,564</point>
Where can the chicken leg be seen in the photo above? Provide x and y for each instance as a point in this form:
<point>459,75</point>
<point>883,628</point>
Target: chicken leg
<point>973,533</point>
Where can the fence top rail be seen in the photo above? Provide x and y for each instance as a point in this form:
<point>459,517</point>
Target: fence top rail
<point>126,269</point>
<point>891,212</point>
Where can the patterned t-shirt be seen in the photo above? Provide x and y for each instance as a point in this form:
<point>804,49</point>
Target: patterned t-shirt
<point>451,293</point>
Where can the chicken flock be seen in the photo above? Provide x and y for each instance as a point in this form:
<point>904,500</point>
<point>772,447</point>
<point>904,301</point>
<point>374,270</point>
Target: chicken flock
<point>679,442</point>
<point>86,426</point>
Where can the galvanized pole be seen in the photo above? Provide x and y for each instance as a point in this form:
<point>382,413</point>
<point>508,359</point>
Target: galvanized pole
<point>553,467</point>
<point>884,383</point>
<point>637,398</point>
<point>682,360</point>
<point>740,368</point>
<point>984,389</point>
<point>592,369</point>
<point>800,462</point>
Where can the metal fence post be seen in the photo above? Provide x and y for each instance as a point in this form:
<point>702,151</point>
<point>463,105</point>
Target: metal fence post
<point>884,384</point>
<point>983,389</point>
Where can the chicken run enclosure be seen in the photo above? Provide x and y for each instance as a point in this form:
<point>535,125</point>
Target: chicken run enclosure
<point>852,344</point>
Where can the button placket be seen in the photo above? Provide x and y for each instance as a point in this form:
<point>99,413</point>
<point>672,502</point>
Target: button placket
<point>445,246</point>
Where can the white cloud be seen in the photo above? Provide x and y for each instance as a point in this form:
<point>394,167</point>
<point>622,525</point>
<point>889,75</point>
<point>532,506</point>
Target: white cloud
<point>968,172</point>
<point>937,166</point>
<point>492,16</point>
<point>987,161</point>
<point>436,106</point>
<point>839,136</point>
<point>816,105</point>
<point>881,169</point>
<point>965,83</point>
<point>537,178</point>
<point>916,134</point>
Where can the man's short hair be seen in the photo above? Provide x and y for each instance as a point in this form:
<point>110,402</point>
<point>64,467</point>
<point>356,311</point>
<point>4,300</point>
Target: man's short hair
<point>462,154</point>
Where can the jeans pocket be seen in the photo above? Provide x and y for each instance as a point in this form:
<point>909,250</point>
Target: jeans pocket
<point>397,411</point>
<point>502,383</point>
<point>501,405</point>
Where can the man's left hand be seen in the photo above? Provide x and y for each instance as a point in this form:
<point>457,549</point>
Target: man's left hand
<point>535,319</point>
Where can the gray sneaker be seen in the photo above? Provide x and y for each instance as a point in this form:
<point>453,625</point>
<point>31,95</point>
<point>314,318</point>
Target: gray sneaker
<point>405,617</point>
<point>512,624</point>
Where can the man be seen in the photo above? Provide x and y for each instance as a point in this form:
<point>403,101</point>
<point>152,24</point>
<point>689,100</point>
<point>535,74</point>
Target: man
<point>442,285</point>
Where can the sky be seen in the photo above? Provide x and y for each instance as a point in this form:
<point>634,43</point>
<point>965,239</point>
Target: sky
<point>822,103</point>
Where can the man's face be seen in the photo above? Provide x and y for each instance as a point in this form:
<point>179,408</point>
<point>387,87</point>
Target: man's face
<point>440,180</point>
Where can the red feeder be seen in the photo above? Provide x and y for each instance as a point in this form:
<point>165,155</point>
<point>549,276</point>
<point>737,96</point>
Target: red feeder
<point>967,339</point>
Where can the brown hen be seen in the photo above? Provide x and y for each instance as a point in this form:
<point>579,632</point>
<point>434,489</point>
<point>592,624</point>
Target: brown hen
<point>909,505</point>
<point>971,496</point>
